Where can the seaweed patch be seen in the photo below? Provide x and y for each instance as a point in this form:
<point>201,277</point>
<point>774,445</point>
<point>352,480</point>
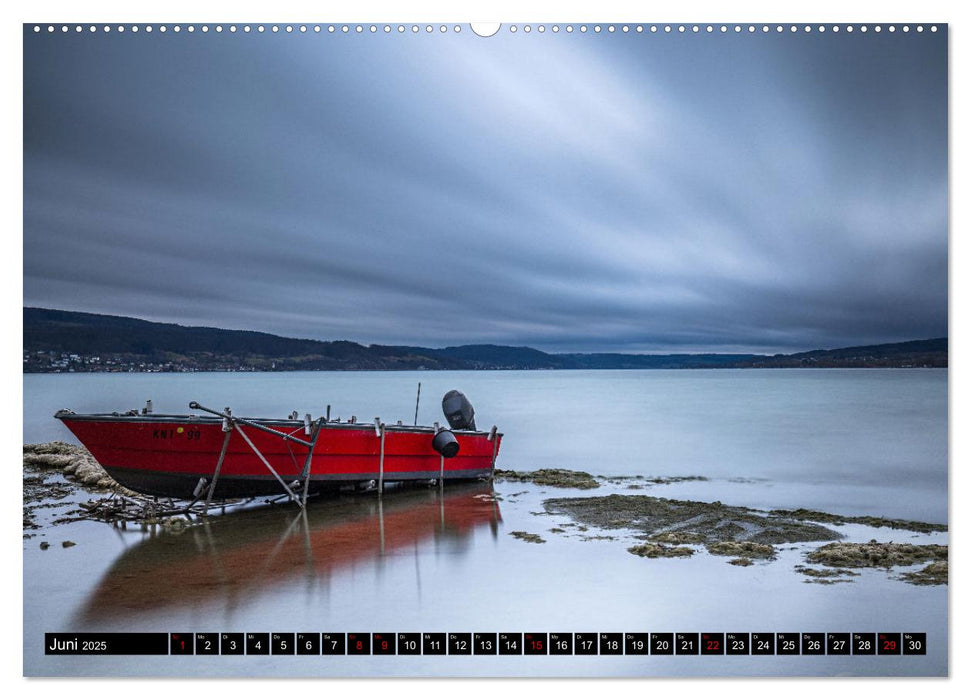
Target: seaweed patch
<point>746,550</point>
<point>652,550</point>
<point>565,478</point>
<point>886,555</point>
<point>672,521</point>
<point>527,537</point>
<point>821,517</point>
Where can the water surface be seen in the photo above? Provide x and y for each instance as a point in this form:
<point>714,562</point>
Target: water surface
<point>849,441</point>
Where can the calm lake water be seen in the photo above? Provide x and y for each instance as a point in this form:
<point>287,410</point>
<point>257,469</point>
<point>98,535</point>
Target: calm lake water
<point>845,441</point>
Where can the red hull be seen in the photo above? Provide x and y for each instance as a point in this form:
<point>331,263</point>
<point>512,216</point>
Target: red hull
<point>167,455</point>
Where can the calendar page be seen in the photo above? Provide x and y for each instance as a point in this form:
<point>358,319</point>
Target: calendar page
<point>526,349</point>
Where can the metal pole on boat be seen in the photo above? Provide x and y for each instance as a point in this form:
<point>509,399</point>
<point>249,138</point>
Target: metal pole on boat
<point>252,424</point>
<point>441,471</point>
<point>266,463</point>
<point>305,474</point>
<point>219,466</point>
<point>381,464</point>
<point>417,399</point>
<point>495,444</point>
<point>306,488</point>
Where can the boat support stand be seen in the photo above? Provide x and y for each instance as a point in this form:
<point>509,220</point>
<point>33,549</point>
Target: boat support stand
<point>495,447</point>
<point>231,423</point>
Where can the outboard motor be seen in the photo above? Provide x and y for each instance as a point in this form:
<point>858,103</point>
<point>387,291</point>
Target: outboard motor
<point>458,411</point>
<point>445,444</point>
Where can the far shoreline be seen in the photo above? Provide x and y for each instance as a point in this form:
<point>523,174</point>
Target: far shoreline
<point>495,369</point>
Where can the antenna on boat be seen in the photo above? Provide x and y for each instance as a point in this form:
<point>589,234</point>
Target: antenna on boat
<point>417,399</point>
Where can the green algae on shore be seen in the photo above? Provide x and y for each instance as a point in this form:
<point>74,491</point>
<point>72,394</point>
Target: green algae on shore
<point>679,537</point>
<point>934,574</point>
<point>826,576</point>
<point>652,550</point>
<point>880,555</point>
<point>54,471</point>
<point>663,480</point>
<point>832,519</point>
<point>41,491</point>
<point>565,478</point>
<point>653,480</point>
<point>744,550</point>
<point>568,478</point>
<point>666,520</point>
<point>527,537</point>
<point>885,555</point>
<point>825,573</point>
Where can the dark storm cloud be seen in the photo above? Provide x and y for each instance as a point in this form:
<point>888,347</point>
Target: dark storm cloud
<point>631,193</point>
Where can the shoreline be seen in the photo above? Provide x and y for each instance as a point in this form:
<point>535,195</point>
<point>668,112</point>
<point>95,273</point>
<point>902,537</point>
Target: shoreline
<point>648,526</point>
<point>397,370</point>
<point>656,527</point>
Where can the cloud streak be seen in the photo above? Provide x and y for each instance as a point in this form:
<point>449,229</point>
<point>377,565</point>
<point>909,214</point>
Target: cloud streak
<point>574,193</point>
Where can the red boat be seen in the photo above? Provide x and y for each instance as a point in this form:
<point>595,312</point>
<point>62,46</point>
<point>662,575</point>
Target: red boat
<point>217,455</point>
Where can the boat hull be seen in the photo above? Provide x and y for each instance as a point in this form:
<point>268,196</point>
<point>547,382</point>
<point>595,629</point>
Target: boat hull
<point>167,455</point>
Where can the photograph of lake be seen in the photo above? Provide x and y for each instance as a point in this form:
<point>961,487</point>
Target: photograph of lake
<point>522,350</point>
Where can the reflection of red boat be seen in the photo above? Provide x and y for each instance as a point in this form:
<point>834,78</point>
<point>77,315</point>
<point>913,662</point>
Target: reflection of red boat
<point>247,553</point>
<point>219,454</point>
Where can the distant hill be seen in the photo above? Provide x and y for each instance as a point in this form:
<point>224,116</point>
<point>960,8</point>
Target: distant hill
<point>682,361</point>
<point>913,353</point>
<point>70,341</point>
<point>494,356</point>
<point>104,343</point>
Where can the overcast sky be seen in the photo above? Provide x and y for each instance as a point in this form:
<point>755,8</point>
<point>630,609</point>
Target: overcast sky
<point>633,193</point>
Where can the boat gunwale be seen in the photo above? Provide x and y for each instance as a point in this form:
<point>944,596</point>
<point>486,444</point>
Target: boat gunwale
<point>66,414</point>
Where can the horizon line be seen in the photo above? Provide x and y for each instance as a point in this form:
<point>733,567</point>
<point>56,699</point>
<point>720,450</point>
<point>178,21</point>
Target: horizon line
<point>498,345</point>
